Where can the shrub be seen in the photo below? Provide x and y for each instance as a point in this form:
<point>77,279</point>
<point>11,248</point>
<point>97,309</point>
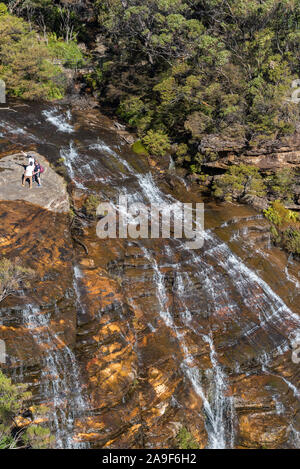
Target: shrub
<point>12,277</point>
<point>238,181</point>
<point>90,205</point>
<point>139,148</point>
<point>26,64</point>
<point>94,78</point>
<point>186,440</point>
<point>13,402</point>
<point>291,240</point>
<point>67,52</point>
<point>157,143</point>
<point>285,229</point>
<point>131,110</point>
<point>279,215</point>
<point>3,9</point>
<point>281,184</point>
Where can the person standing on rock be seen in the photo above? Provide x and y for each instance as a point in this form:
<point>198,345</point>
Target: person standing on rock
<point>28,174</point>
<point>29,156</point>
<point>37,173</point>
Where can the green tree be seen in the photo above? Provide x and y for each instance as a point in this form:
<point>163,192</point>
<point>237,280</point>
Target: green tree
<point>239,181</point>
<point>25,63</point>
<point>188,69</point>
<point>17,423</point>
<point>157,143</point>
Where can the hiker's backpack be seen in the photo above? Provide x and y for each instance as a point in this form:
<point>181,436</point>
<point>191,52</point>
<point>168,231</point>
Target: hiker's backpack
<point>42,169</point>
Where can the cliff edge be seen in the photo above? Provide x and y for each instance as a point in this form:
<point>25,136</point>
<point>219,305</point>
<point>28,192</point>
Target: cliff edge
<point>52,195</point>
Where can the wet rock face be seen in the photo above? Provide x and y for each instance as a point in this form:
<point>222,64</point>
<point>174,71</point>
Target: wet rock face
<point>164,338</point>
<point>140,353</point>
<point>51,196</point>
<point>263,416</point>
<point>38,324</point>
<point>137,395</point>
<point>142,339</point>
<point>39,240</point>
<point>134,363</point>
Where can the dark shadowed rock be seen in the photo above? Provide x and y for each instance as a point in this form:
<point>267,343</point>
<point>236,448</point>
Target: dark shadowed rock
<point>270,155</point>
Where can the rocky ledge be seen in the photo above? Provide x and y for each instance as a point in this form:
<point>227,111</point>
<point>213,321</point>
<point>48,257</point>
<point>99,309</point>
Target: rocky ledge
<point>52,195</point>
<point>271,155</point>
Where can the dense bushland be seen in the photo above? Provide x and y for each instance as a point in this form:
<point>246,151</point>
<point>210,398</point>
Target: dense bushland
<point>32,65</point>
<point>241,180</point>
<point>184,69</point>
<point>177,70</point>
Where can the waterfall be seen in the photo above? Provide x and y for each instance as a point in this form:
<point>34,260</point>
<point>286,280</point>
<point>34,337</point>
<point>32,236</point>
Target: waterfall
<point>70,155</point>
<point>222,405</point>
<point>215,408</point>
<point>218,406</point>
<point>214,281</point>
<point>269,308</point>
<point>59,120</point>
<point>60,381</point>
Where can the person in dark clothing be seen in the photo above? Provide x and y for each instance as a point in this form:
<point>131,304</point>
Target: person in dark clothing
<point>37,173</point>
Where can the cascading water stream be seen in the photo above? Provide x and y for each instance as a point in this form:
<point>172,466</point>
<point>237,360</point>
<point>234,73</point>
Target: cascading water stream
<point>223,284</point>
<point>221,407</point>
<point>60,380</point>
<point>215,409</point>
<point>269,308</point>
<point>60,120</point>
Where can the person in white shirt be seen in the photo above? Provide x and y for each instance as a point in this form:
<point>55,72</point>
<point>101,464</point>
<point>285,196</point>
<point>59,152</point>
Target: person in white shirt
<point>29,156</point>
<point>28,173</point>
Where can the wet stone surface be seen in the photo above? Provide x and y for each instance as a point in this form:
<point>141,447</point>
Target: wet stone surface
<point>157,336</point>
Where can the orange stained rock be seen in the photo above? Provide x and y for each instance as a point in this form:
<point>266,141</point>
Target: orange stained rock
<point>135,428</point>
<point>114,350</point>
<point>4,241</point>
<point>40,420</point>
<point>8,328</point>
<point>96,338</point>
<point>110,329</point>
<point>22,422</point>
<point>87,262</point>
<point>263,430</point>
<point>109,443</point>
<point>152,162</point>
<point>86,436</point>
<point>94,422</point>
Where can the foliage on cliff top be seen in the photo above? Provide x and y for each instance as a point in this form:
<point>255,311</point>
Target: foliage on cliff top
<point>68,53</point>
<point>187,69</point>
<point>285,226</point>
<point>65,17</point>
<point>27,61</point>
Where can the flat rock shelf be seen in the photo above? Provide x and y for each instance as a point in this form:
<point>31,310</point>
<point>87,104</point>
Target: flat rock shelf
<point>52,195</point>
